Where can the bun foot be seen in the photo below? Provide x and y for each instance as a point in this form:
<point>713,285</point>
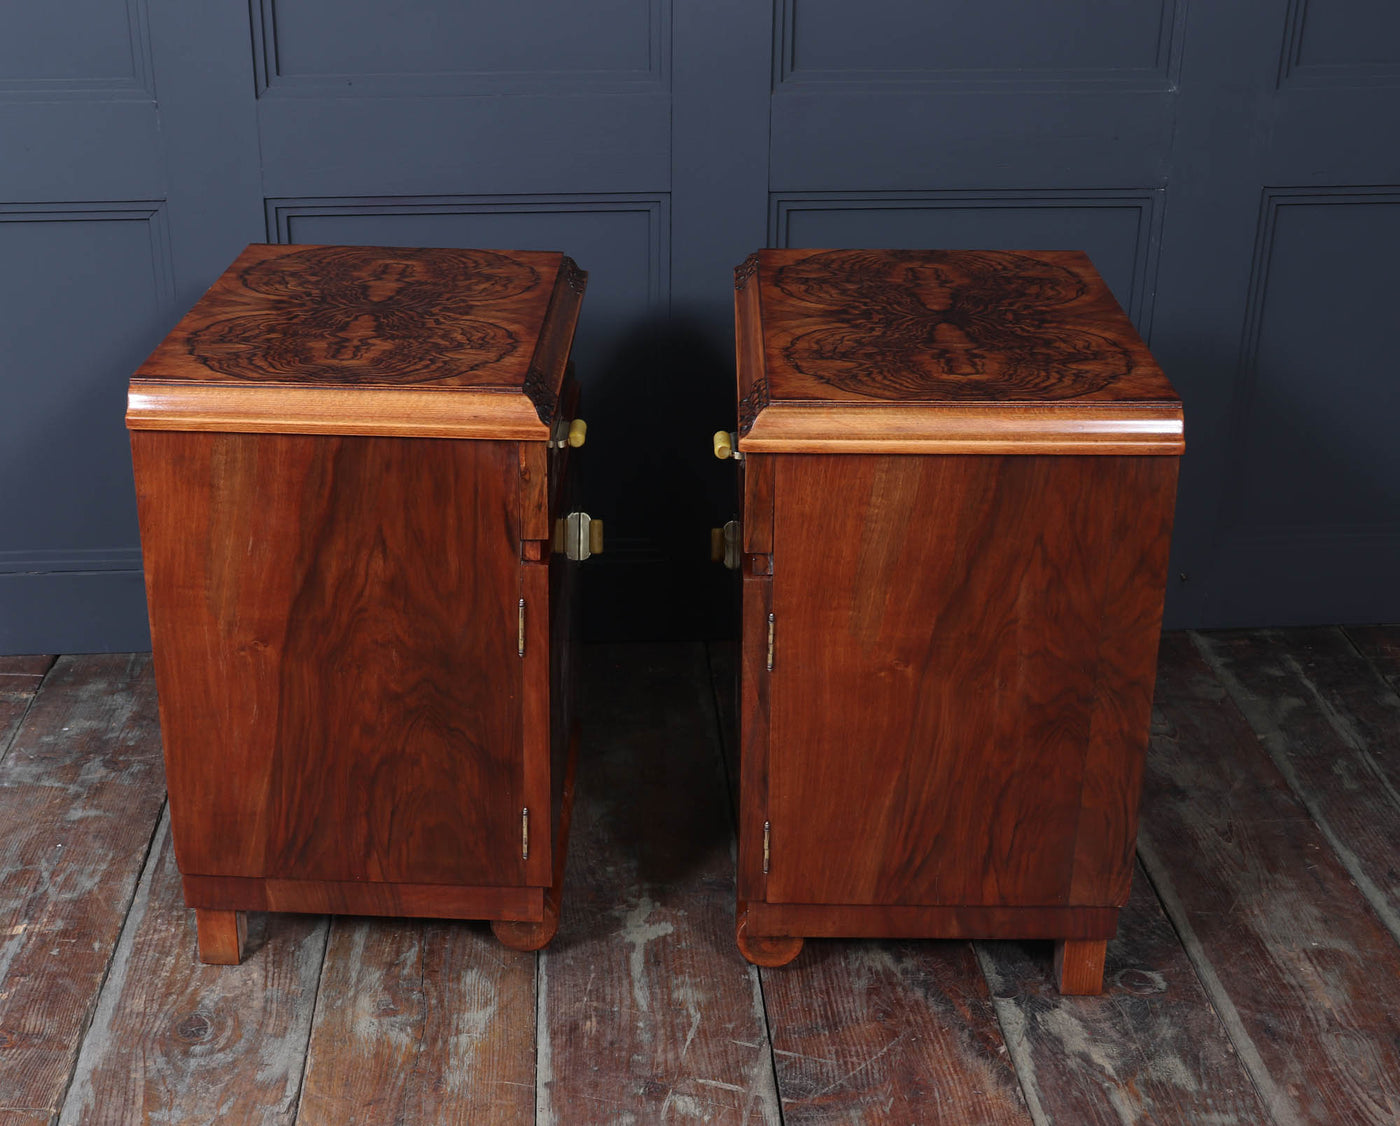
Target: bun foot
<point>222,935</point>
<point>1079,966</point>
<point>528,936</point>
<point>764,950</point>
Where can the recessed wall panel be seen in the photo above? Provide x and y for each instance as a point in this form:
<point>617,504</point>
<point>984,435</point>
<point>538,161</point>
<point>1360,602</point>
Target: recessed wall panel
<point>361,46</point>
<point>1342,41</point>
<point>836,41</point>
<point>84,297</point>
<point>1317,416</point>
<point>74,47</point>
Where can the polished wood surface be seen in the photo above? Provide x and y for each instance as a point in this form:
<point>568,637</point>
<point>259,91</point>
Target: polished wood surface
<point>369,341</point>
<point>354,897</point>
<point>947,658</point>
<point>941,684</point>
<point>1079,965</point>
<point>222,935</point>
<point>867,920</point>
<point>335,627</point>
<point>936,351</point>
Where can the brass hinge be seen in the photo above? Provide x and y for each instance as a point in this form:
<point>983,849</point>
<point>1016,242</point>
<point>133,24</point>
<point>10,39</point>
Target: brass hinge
<point>520,632</point>
<point>772,629</point>
<point>766,837</point>
<point>525,833</point>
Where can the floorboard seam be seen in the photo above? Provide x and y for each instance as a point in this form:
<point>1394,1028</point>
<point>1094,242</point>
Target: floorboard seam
<point>328,922</point>
<point>768,1035</point>
<point>729,794</point>
<point>24,715</point>
<point>1380,672</point>
<point>1268,739</point>
<point>145,873</point>
<point>542,1049</point>
<point>1012,1038</point>
<point>1270,1096</point>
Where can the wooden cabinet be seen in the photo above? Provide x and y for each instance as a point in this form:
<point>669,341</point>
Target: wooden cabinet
<point>958,472</point>
<point>350,466</point>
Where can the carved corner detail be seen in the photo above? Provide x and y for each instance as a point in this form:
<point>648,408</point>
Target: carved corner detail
<point>752,403</point>
<point>541,394</point>
<point>577,279</point>
<point>745,270</point>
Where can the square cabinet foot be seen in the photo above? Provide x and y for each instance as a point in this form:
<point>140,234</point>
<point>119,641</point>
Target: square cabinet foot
<point>222,936</point>
<point>1079,965</point>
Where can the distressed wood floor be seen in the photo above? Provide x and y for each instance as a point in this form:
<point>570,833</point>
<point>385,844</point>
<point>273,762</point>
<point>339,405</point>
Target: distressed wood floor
<point>1255,978</point>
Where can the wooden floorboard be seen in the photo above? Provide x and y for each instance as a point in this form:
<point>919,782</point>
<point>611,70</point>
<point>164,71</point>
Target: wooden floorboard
<point>81,790</point>
<point>1331,724</point>
<point>885,1031</point>
<point>1381,646</point>
<point>871,1031</point>
<point>19,681</point>
<point>174,1041</point>
<point>648,1013</point>
<point>1268,990</point>
<point>421,1022</point>
<point>1302,972</point>
<point>1151,1049</point>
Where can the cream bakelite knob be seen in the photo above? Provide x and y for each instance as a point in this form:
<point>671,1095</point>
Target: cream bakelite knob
<point>724,444</point>
<point>595,537</point>
<point>578,432</point>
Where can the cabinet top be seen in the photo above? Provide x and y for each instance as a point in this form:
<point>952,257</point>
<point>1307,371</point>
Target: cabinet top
<point>369,340</point>
<point>942,351</point>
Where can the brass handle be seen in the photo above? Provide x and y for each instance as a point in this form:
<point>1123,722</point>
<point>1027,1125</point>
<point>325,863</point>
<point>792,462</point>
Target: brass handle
<point>578,432</point>
<point>578,536</point>
<point>725,545</point>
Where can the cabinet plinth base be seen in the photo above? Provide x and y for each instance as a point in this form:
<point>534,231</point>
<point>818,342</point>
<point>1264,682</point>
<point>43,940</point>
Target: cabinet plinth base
<point>1079,966</point>
<point>768,933</point>
<point>222,936</point>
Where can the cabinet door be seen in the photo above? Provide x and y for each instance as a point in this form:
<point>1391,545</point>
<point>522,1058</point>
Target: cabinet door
<point>335,625</point>
<point>962,666</point>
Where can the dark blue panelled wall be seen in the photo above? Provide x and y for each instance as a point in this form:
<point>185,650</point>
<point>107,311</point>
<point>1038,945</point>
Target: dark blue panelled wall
<point>1231,168</point>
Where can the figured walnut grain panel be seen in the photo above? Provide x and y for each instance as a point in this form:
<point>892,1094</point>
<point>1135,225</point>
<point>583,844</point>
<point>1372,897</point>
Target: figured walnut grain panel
<point>347,607</point>
<point>938,687</point>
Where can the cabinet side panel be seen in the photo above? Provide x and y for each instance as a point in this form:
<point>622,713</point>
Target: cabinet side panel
<point>753,731</point>
<point>1134,547</point>
<point>938,623</point>
<point>536,667</point>
<point>334,622</point>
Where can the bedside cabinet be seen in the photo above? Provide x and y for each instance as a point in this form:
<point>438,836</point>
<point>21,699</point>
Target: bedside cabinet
<point>957,479</point>
<point>352,466</point>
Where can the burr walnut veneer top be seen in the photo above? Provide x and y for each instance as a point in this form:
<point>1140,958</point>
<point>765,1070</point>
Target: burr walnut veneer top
<point>942,351</point>
<point>369,340</point>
